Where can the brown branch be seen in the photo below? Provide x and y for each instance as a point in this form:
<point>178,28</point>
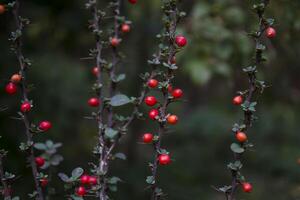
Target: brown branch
<point>248,115</point>
<point>24,90</point>
<point>163,110</point>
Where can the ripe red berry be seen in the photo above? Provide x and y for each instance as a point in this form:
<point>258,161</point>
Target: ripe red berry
<point>45,125</point>
<point>237,100</point>
<point>84,179</point>
<point>94,102</point>
<point>150,100</point>
<point>114,42</point>
<point>148,138</point>
<point>172,119</point>
<point>132,1</point>
<point>26,106</point>
<point>11,88</point>
<point>2,9</point>
<point>80,191</point>
<point>125,28</point>
<point>152,83</point>
<point>180,41</point>
<point>241,137</point>
<point>153,114</point>
<point>177,93</point>
<point>93,180</point>
<point>16,78</point>
<point>164,159</point>
<point>247,187</point>
<point>95,71</point>
<point>44,182</point>
<point>39,161</point>
<point>270,32</point>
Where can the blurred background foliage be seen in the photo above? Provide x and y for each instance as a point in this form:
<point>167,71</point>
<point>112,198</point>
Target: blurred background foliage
<point>210,73</point>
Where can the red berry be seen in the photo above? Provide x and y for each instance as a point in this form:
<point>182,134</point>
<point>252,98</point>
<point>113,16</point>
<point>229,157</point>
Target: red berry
<point>16,78</point>
<point>84,179</point>
<point>45,125</point>
<point>132,1</point>
<point>177,93</point>
<point>152,83</point>
<point>164,159</point>
<point>95,71</point>
<point>271,32</point>
<point>2,9</point>
<point>125,28</point>
<point>26,106</point>
<point>148,138</point>
<point>39,161</point>
<point>93,180</point>
<point>11,88</point>
<point>114,42</point>
<point>247,187</point>
<point>94,102</point>
<point>241,137</point>
<point>150,100</point>
<point>81,191</point>
<point>44,182</point>
<point>172,119</point>
<point>153,114</point>
<point>238,100</point>
<point>180,41</point>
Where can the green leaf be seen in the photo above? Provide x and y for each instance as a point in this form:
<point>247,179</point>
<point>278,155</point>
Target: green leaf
<point>236,148</point>
<point>114,180</point>
<point>119,78</point>
<point>150,180</point>
<point>64,177</point>
<point>76,173</point>
<point>40,146</point>
<point>76,197</point>
<point>121,156</point>
<point>111,133</point>
<point>119,100</point>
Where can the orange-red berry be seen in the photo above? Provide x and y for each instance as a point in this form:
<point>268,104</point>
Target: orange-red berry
<point>172,119</point>
<point>16,78</point>
<point>241,137</point>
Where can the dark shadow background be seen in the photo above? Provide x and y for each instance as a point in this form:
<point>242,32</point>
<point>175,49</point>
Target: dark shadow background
<point>210,74</point>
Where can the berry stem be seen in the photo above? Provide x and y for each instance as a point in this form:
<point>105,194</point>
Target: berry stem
<point>23,68</point>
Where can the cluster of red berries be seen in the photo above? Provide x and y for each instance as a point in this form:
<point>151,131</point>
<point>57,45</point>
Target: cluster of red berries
<point>148,138</point>
<point>115,41</point>
<point>11,89</point>
<point>152,101</point>
<point>85,180</point>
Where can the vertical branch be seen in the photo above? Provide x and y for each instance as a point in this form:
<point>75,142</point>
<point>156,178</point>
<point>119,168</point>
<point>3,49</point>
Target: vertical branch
<point>248,103</point>
<point>169,46</point>
<point>24,64</point>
